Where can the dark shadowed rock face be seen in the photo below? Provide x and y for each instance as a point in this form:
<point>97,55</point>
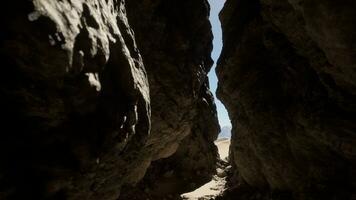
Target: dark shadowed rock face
<point>287,77</point>
<point>75,100</point>
<point>175,41</point>
<point>75,96</point>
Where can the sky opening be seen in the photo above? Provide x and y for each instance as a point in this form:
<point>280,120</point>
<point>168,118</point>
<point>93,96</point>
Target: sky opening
<point>224,120</point>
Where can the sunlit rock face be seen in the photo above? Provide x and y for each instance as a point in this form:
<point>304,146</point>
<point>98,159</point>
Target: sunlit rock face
<point>287,77</point>
<point>76,98</point>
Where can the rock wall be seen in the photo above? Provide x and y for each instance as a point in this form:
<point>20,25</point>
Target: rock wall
<point>287,77</point>
<point>77,95</point>
<point>175,40</point>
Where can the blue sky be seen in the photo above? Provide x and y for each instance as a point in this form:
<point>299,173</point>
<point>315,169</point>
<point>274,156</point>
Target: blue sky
<point>216,6</point>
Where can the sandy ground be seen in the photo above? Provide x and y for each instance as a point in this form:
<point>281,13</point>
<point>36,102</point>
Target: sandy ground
<point>216,185</point>
<point>223,145</point>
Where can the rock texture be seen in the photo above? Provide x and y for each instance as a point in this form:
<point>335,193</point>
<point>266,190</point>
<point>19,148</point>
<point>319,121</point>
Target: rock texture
<point>76,99</point>
<point>287,77</point>
<point>175,40</point>
<point>176,48</point>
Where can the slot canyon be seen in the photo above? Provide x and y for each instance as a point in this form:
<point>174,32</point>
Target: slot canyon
<point>110,99</point>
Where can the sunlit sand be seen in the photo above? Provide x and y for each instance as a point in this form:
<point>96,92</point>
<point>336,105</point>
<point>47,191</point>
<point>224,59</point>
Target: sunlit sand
<point>216,185</point>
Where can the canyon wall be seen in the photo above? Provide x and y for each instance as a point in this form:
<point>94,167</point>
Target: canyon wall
<point>175,41</point>
<point>88,104</point>
<point>287,75</point>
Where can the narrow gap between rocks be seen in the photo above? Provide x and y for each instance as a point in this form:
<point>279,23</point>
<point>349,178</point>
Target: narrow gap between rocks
<point>217,185</point>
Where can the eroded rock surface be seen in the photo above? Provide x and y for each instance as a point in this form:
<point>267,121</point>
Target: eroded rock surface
<point>175,41</point>
<point>76,99</point>
<point>287,77</point>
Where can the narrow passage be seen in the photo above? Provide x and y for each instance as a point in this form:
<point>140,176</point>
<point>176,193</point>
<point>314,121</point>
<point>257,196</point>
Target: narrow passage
<point>216,186</point>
